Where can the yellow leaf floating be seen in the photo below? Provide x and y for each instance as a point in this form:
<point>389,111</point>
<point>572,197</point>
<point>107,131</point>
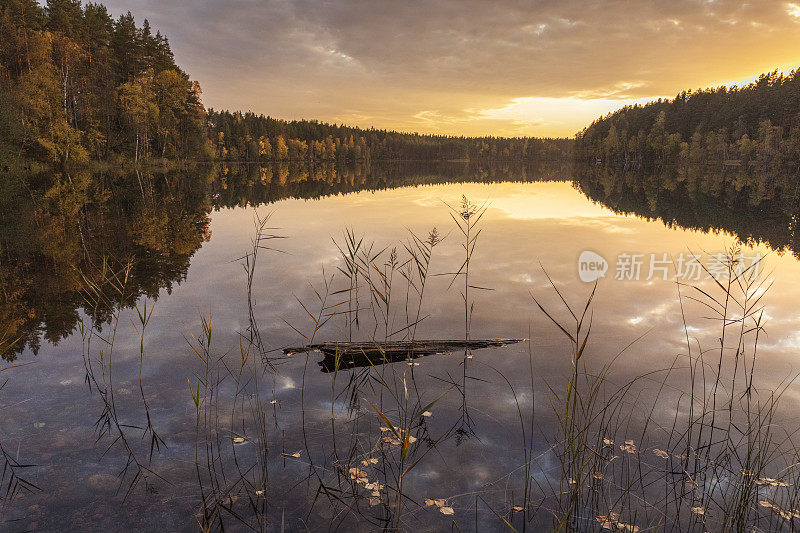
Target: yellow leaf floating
<point>438,503</point>
<point>783,513</point>
<point>517,508</point>
<point>772,482</point>
<point>357,474</point>
<point>661,453</point>
<point>699,510</point>
<point>238,440</point>
<point>446,510</point>
<point>295,454</point>
<point>427,413</point>
<point>611,521</point>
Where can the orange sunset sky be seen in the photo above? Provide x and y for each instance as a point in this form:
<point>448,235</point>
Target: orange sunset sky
<point>503,67</point>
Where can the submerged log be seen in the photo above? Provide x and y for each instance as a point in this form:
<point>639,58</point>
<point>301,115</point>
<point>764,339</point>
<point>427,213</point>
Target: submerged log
<point>343,355</point>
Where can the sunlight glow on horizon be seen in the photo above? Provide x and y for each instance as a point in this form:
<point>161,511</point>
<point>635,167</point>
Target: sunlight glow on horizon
<point>475,69</point>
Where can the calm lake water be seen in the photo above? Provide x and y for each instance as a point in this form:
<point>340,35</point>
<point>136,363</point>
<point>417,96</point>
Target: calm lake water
<point>494,408</point>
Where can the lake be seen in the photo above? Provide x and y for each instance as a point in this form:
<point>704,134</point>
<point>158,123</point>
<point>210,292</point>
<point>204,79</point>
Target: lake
<point>147,383</point>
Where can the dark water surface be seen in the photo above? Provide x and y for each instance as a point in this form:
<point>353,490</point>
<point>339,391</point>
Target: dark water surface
<point>235,449</point>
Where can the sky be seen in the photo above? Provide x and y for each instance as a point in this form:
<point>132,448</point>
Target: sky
<point>467,67</point>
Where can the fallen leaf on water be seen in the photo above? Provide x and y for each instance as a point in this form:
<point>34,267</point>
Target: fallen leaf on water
<point>747,473</point>
<point>259,493</point>
<point>295,454</point>
<point>661,453</point>
<point>446,510</point>
<point>772,482</point>
<point>608,442</point>
<point>412,439</point>
<point>369,486</point>
<point>429,502</point>
<point>383,428</point>
<point>427,413</point>
<point>628,448</point>
<point>699,510</point>
<point>373,461</point>
<point>238,440</point>
<point>783,513</point>
<point>357,474</point>
<point>273,402</point>
<point>390,440</point>
<point>611,521</point>
<point>517,508</point>
<point>374,501</point>
<point>597,475</point>
<point>376,493</point>
<point>571,481</point>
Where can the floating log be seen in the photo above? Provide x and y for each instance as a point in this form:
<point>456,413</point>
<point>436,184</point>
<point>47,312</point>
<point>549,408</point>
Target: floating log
<point>343,355</point>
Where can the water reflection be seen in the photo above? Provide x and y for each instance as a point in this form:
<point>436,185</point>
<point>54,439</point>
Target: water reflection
<point>56,229</point>
<point>278,445</point>
<point>756,208</point>
<point>51,237</point>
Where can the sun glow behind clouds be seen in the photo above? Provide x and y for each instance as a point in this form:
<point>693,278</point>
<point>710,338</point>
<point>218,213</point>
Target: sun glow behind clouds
<point>555,116</point>
<point>471,67</point>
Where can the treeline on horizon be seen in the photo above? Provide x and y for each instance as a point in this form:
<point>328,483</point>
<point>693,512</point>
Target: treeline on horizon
<point>249,137</point>
<point>754,128</point>
<point>78,86</point>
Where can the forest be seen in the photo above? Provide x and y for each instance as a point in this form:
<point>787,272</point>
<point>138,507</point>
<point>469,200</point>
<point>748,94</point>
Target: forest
<point>250,137</point>
<point>754,128</point>
<point>78,86</point>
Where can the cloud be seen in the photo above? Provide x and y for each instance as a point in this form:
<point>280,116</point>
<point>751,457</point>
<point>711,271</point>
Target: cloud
<point>434,65</point>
